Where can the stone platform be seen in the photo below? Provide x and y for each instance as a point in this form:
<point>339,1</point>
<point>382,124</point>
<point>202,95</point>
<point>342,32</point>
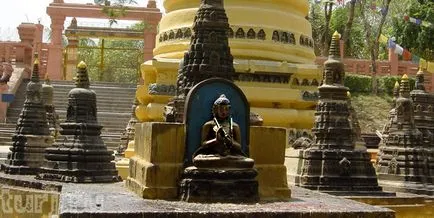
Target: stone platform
<point>114,200</point>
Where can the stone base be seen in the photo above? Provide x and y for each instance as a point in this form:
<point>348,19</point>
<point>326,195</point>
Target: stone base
<point>219,185</point>
<point>18,170</point>
<point>28,154</point>
<point>407,187</point>
<point>151,192</point>
<point>79,172</point>
<point>338,172</point>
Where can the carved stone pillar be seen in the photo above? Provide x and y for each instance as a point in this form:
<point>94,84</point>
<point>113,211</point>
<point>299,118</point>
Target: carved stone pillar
<point>54,68</point>
<point>149,45</point>
<point>72,57</point>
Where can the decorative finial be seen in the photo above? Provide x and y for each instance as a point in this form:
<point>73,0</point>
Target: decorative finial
<point>420,71</point>
<point>47,79</point>
<point>348,94</point>
<point>336,35</point>
<point>396,84</point>
<point>404,90</point>
<point>82,65</point>
<point>82,78</point>
<point>334,51</point>
<point>35,72</point>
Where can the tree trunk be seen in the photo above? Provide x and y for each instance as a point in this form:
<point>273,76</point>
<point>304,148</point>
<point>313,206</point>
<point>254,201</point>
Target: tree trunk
<point>374,43</point>
<point>349,24</point>
<point>328,8</point>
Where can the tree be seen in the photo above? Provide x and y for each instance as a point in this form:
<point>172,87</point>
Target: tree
<point>326,37</point>
<point>373,26</point>
<point>317,21</point>
<point>116,9</point>
<point>418,38</point>
<point>113,60</point>
<point>349,24</point>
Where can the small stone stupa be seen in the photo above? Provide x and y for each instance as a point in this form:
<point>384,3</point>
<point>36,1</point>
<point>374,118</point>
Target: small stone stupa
<point>32,134</point>
<point>81,156</point>
<point>129,133</point>
<point>423,109</point>
<point>404,159</point>
<point>392,112</point>
<point>332,164</point>
<point>47,100</point>
<point>209,54</point>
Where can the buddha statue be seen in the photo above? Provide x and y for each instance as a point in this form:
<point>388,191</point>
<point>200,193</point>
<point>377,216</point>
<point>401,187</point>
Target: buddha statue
<point>221,135</point>
<point>221,171</point>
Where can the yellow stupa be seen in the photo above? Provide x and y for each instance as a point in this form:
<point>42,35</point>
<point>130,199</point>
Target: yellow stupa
<point>273,57</point>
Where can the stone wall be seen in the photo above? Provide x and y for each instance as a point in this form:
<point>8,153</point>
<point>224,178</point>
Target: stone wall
<point>384,68</point>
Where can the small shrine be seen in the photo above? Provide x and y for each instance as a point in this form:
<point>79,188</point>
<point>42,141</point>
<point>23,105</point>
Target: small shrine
<point>32,134</point>
<point>211,153</point>
<point>405,157</point>
<point>80,155</point>
<point>47,100</point>
<point>331,163</point>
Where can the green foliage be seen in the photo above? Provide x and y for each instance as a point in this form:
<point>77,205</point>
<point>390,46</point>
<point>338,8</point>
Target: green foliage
<point>114,8</point>
<point>361,84</point>
<point>387,83</point>
<point>358,83</point>
<point>120,62</point>
<point>356,46</point>
<point>417,38</point>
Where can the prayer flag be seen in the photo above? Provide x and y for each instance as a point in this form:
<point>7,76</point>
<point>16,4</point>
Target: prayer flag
<point>406,55</point>
<point>398,49</point>
<point>383,39</point>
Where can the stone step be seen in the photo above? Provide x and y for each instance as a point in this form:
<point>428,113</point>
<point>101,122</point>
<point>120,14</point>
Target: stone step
<point>95,84</point>
<point>4,150</point>
<point>114,102</point>
<point>125,99</point>
<point>100,108</point>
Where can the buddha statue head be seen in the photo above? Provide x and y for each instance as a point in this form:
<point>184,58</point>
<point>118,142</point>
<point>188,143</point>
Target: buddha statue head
<point>221,108</point>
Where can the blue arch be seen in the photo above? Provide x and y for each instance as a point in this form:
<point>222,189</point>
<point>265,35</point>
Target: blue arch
<point>198,110</point>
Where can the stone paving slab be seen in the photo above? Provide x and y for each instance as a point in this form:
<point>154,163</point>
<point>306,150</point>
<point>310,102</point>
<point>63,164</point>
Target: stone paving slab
<point>115,200</point>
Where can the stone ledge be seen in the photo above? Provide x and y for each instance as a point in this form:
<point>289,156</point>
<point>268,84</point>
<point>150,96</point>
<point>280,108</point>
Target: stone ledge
<point>114,200</point>
<point>29,182</point>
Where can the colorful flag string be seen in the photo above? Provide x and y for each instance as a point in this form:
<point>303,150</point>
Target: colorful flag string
<point>418,21</point>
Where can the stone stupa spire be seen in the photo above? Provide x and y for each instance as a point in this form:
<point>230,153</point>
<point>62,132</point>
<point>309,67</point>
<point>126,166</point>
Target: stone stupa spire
<point>47,92</point>
<point>31,135</point>
<point>81,155</point>
<point>334,72</point>
<point>209,55</point>
<point>332,164</point>
<point>82,78</point>
<point>404,161</point>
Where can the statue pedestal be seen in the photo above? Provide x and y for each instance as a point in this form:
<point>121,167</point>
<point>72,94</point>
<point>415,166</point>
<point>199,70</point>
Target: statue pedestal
<point>228,184</point>
<point>156,168</point>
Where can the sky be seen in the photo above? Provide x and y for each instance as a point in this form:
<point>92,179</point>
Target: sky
<point>15,12</point>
